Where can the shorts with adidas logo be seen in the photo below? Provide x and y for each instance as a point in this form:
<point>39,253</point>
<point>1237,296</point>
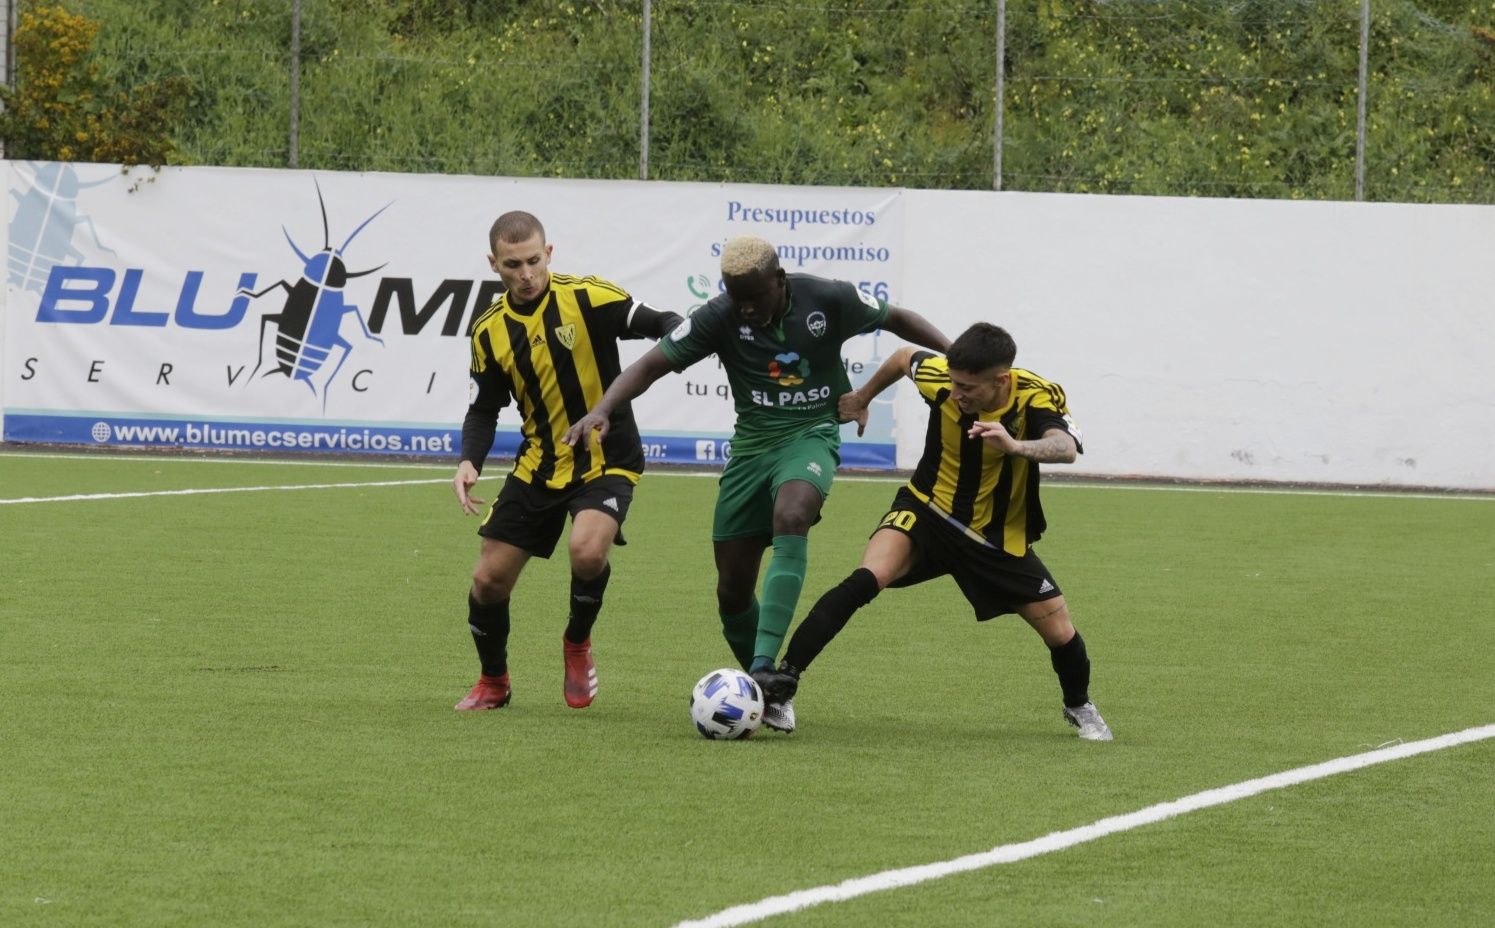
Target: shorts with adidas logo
<point>532,517</point>
<point>993,581</point>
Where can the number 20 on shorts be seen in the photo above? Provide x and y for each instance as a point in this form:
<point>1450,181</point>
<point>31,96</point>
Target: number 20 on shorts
<point>901,519</point>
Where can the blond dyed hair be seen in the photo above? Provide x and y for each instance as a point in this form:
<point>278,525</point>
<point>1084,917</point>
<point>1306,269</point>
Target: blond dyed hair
<point>747,254</point>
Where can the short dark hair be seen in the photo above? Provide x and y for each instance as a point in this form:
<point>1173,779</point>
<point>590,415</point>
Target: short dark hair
<point>981,347</point>
<point>514,226</point>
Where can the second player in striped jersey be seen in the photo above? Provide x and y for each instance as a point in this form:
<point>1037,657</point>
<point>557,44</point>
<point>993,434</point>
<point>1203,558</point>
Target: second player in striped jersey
<point>550,347</point>
<point>971,509</point>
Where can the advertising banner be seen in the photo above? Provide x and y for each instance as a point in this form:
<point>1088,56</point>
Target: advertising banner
<point>291,311</point>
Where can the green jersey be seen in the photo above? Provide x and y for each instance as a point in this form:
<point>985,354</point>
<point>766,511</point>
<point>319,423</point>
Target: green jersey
<point>786,377</point>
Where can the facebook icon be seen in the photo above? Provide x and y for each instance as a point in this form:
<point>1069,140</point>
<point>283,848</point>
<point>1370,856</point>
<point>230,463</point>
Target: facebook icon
<point>706,450</point>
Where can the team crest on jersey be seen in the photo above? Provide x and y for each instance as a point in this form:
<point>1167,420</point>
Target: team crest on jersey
<point>566,335</point>
<point>816,323</point>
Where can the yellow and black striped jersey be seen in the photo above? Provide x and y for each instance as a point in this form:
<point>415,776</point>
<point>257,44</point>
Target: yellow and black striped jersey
<point>554,360</point>
<point>986,492</point>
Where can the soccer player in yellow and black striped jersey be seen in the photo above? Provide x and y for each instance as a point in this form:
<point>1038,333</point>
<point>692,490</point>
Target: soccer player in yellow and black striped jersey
<point>970,510</point>
<point>550,346</point>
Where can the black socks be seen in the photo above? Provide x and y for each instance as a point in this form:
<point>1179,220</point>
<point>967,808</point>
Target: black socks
<point>586,602</point>
<point>829,615</point>
<point>489,624</point>
<point>1072,665</point>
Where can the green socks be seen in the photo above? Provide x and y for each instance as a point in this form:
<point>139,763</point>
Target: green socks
<point>786,575</point>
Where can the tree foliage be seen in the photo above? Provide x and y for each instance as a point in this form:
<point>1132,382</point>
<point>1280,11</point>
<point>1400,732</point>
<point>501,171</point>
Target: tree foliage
<point>60,108</point>
<point>1249,98</point>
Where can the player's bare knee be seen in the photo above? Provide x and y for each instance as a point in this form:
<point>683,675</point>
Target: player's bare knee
<point>796,508</point>
<point>1051,620</point>
<point>490,586</point>
<point>588,563</point>
<point>792,526</point>
<point>486,589</point>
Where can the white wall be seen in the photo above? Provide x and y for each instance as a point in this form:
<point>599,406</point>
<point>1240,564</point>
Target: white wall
<point>1233,340</point>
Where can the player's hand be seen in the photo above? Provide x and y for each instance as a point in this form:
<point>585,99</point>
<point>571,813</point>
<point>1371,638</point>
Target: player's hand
<point>462,484</point>
<point>994,434</point>
<point>852,408</point>
<point>591,422</point>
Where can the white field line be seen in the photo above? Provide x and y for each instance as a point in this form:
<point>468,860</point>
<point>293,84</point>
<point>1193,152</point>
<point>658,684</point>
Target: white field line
<point>1081,483</point>
<point>210,490</point>
<point>192,459</point>
<point>1060,840</point>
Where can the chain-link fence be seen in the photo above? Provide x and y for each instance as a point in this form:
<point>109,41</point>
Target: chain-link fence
<point>1325,99</point>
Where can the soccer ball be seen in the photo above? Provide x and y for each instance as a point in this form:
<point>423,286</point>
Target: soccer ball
<point>726,704</point>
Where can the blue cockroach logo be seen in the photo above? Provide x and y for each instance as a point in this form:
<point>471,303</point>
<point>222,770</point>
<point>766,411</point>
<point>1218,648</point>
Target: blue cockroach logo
<point>45,221</point>
<point>307,327</point>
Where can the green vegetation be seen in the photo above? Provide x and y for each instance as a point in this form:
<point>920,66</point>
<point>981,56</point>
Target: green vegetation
<point>64,110</point>
<point>235,709</point>
<point>1183,97</point>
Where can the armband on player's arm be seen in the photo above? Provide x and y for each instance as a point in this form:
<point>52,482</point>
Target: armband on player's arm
<point>478,429</point>
<point>649,322</point>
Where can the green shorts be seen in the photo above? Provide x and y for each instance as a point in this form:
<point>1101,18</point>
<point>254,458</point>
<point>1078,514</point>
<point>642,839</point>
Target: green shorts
<point>749,485</point>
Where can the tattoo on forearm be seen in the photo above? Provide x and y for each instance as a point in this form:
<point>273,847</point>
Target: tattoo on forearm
<point>1050,449</point>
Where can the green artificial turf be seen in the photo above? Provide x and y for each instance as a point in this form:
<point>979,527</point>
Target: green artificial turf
<point>236,709</point>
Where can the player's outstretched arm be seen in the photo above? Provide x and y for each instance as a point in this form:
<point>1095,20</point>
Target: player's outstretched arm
<point>652,323</point>
<point>635,379</point>
<point>852,407</point>
<point>912,327</point>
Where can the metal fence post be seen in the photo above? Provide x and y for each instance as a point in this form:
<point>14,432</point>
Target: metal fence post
<point>10,43</point>
<point>1363,92</point>
<point>10,54</point>
<point>294,137</point>
<point>643,116</point>
<point>996,167</point>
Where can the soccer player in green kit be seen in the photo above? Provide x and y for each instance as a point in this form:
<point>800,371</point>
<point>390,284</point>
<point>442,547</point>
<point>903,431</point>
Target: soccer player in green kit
<point>779,338</point>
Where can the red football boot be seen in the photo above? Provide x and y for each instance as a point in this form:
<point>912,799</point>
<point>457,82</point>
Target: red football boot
<point>581,673</point>
<point>487,693</point>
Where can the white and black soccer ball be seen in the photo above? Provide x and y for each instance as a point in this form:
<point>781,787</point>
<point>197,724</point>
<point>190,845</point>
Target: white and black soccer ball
<point>726,704</point>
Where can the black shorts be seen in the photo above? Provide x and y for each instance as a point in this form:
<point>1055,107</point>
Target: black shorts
<point>993,581</point>
<point>532,517</point>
